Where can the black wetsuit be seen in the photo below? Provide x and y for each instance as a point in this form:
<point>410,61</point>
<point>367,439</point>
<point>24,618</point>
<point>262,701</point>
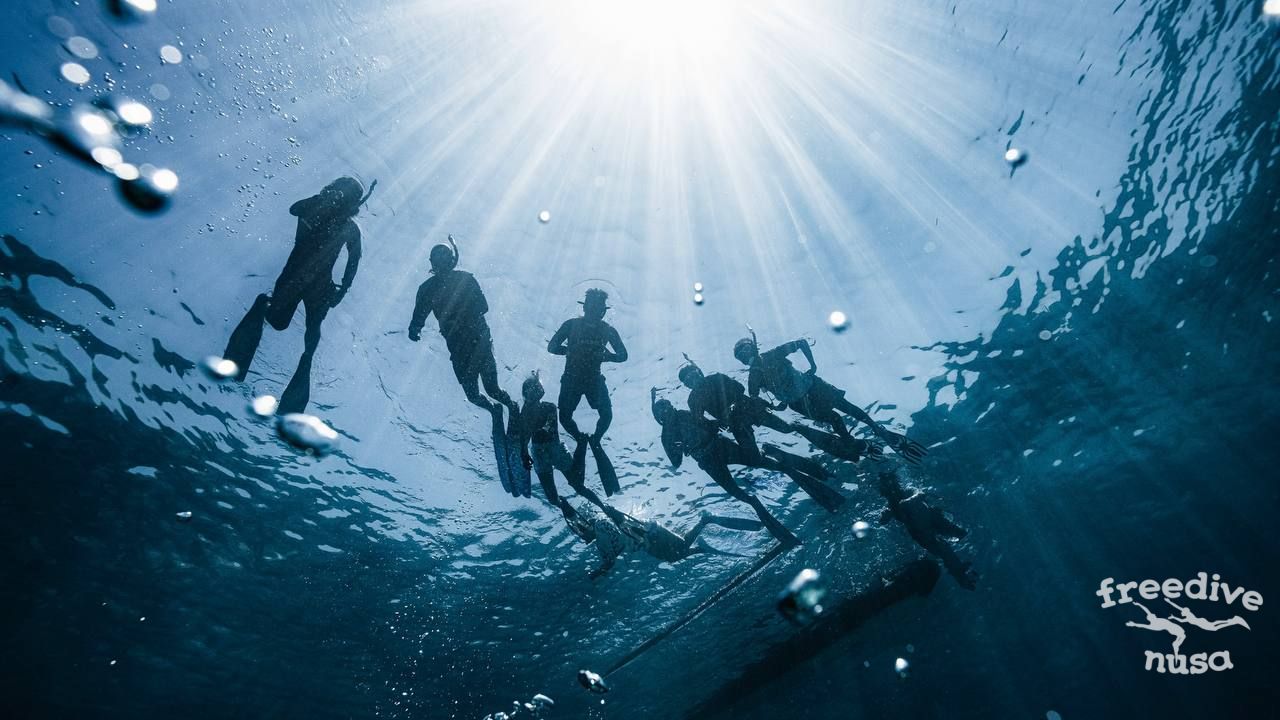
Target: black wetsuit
<point>459,306</point>
<point>585,343</point>
<point>307,279</point>
<point>726,400</point>
<point>930,527</point>
<point>307,276</point>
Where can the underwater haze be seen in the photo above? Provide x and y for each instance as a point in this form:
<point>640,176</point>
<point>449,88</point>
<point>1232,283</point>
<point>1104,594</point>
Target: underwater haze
<point>1050,232</point>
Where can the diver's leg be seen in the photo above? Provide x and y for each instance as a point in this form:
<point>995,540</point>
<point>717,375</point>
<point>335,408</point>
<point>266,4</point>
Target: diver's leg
<point>567,403</point>
<point>745,436</point>
<point>598,398</point>
<point>548,480</point>
<point>719,472</point>
<point>488,367</point>
<point>468,375</point>
<point>298,393</point>
<point>244,341</point>
<point>947,526</point>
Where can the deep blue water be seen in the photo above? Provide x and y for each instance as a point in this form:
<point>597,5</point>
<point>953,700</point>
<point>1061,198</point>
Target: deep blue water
<point>1086,342</point>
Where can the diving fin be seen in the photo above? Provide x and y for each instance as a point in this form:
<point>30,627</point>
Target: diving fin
<point>608,476</point>
<point>500,451</point>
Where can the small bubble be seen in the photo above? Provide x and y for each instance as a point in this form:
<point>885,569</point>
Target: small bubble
<point>184,516</point>
<point>1015,157</point>
<point>697,287</point>
<point>544,217</point>
<point>1053,714</point>
<point>698,299</point>
<point>151,190</point>
<point>801,600</point>
<point>901,666</point>
<point>132,9</point>
<point>74,73</point>
<point>838,321</point>
<point>1208,261</point>
<point>170,55</point>
<point>160,92</point>
<point>264,405</point>
<point>219,368</point>
<point>1045,335</point>
<point>82,47</point>
<point>861,528</point>
<point>592,681</point>
<point>59,26</point>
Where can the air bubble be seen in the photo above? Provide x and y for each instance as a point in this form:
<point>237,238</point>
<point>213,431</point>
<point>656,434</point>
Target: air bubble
<point>307,432</point>
<point>218,368</point>
<point>263,405</point>
<point>1045,335</point>
<point>592,681</point>
<point>861,528</point>
<point>74,73</point>
<point>544,217</point>
<point>801,600</point>
<point>151,190</point>
<point>170,55</point>
<point>838,321</point>
<point>698,299</point>
<point>901,666</point>
<point>184,516</point>
<point>133,10</point>
<point>82,47</point>
<point>1015,156</point>
<point>697,287</point>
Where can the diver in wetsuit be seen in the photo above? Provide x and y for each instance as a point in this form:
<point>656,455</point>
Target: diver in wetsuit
<point>726,401</point>
<point>587,342</point>
<point>536,427</point>
<point>326,225</point>
<point>927,525</point>
<point>810,395</point>
<point>615,533</point>
<point>683,434</point>
<point>459,305</point>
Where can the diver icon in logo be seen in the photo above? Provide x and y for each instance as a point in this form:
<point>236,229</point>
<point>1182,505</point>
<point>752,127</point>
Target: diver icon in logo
<point>1155,622</point>
<point>1189,618</point>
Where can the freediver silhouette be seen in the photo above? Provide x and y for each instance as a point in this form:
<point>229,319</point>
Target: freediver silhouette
<point>1160,624</point>
<point>460,306</point>
<point>811,396</point>
<point>326,225</point>
<point>586,343</point>
<point>1186,617</point>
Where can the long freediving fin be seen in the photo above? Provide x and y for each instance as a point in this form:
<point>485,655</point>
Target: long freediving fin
<point>500,453</point>
<point>608,476</point>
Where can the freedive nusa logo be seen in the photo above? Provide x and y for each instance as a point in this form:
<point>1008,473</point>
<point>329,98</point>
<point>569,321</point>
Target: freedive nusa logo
<point>1200,588</point>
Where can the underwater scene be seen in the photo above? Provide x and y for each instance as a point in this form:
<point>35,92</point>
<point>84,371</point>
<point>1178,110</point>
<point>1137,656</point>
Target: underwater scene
<point>621,359</point>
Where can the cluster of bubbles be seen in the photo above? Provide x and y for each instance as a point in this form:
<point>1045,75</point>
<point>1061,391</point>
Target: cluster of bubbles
<point>92,134</point>
<point>801,600</point>
<point>303,431</point>
<point>592,681</point>
<point>531,709</point>
<point>698,299</point>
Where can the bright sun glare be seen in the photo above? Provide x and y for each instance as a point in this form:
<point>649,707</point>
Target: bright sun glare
<point>691,35</point>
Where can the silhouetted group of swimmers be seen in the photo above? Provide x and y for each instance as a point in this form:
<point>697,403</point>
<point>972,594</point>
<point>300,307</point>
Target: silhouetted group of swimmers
<point>717,404</point>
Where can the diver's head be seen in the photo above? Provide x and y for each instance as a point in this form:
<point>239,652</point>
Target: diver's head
<point>745,351</point>
<point>344,194</point>
<point>443,258</point>
<point>595,304</point>
<point>890,486</point>
<point>532,389</point>
<point>663,410</point>
<point>691,375</point>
